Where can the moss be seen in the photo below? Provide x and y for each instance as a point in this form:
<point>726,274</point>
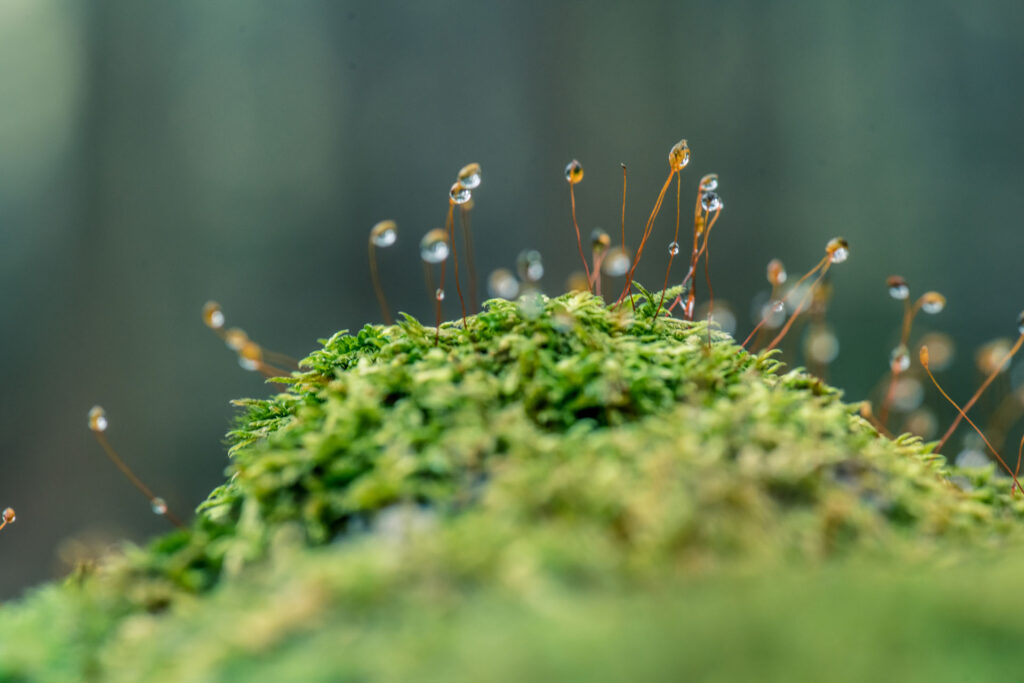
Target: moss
<point>555,459</point>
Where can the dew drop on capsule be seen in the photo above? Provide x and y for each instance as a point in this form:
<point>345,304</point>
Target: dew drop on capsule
<point>250,356</point>
<point>709,182</point>
<point>599,240</point>
<point>439,294</point>
<point>899,359</point>
<point>898,287</point>
<point>9,515</point>
<point>530,265</point>
<point>459,194</point>
<point>574,172</point>
<point>469,176</point>
<point>776,272</point>
<point>502,284</point>
<point>932,302</point>
<point>213,316</point>
<point>235,338</point>
<point>434,246</point>
<point>97,419</point>
<point>837,249</point>
<point>710,201</point>
<point>679,156</point>
<point>616,262</point>
<point>673,248</point>
<point>384,234</point>
<point>159,506</point>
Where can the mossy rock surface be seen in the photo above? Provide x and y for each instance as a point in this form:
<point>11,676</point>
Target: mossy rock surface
<point>558,490</point>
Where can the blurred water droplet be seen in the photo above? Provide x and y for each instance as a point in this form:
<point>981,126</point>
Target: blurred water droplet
<point>923,423</point>
<point>941,350</point>
<point>932,302</point>
<point>709,182</point>
<point>97,419</point>
<point>679,155</point>
<point>721,315</point>
<point>9,516</point>
<point>821,345</point>
<point>971,458</point>
<point>213,316</point>
<point>899,359</point>
<point>159,506</point>
<point>530,265</point>
<point>434,246</point>
<point>235,338</point>
<point>574,172</point>
<point>673,248</point>
<point>469,176</point>
<point>439,294</point>
<point>710,201</point>
<point>616,262</point>
<point>991,354</point>
<point>502,284</point>
<point>250,356</point>
<point>776,272</point>
<point>907,394</point>
<point>384,234</point>
<point>599,240</point>
<point>531,304</point>
<point>898,287</point>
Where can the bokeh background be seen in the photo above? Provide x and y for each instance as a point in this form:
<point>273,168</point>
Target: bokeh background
<point>156,155</point>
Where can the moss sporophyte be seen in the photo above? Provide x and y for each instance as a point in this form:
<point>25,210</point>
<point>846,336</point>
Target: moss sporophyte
<point>537,447</point>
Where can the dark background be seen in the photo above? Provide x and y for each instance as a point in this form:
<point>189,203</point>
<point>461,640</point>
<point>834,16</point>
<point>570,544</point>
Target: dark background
<point>156,155</point>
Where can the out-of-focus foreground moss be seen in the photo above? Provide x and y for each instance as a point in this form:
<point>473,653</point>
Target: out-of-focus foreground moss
<point>559,491</point>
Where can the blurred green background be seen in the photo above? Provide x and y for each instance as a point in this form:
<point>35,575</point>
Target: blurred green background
<point>156,155</point>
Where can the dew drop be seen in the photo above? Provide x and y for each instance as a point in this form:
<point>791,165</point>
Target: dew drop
<point>673,248</point>
<point>778,306</point>
<point>9,515</point>
<point>721,316</point>
<point>932,302</point>
<point>899,359</point>
<point>531,304</point>
<point>990,356</point>
<point>439,294</point>
<point>616,262</point>
<point>250,356</point>
<point>502,284</point>
<point>434,246</point>
<point>530,265</point>
<point>710,201</point>
<point>837,249</point>
<point>459,194</point>
<point>574,172</point>
<point>599,240</point>
<point>469,176</point>
<point>709,182</point>
<point>235,338</point>
<point>907,395</point>
<point>822,345</point>
<point>97,419</point>
<point>898,287</point>
<point>971,458</point>
<point>776,272</point>
<point>213,316</point>
<point>159,506</point>
<point>923,423</point>
<point>384,234</point>
<point>679,156</point>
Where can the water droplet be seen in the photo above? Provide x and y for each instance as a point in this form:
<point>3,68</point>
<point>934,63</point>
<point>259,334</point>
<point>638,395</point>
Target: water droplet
<point>502,284</point>
<point>250,356</point>
<point>574,172</point>
<point>439,294</point>
<point>531,304</point>
<point>778,306</point>
<point>469,176</point>
<point>235,338</point>
<point>709,182</point>
<point>673,248</point>
<point>899,359</point>
<point>837,249</point>
<point>212,315</point>
<point>923,423</point>
<point>434,246</point>
<point>970,458</point>
<point>616,262</point>
<point>159,506</point>
<point>530,265</point>
<point>990,355</point>
<point>907,394</point>
<point>97,419</point>
<point>384,234</point>
<point>776,272</point>
<point>710,201</point>
<point>898,287</point>
<point>599,240</point>
<point>721,315</point>
<point>822,345</point>
<point>9,515</point>
<point>459,194</point>
<point>679,156</point>
<point>932,302</point>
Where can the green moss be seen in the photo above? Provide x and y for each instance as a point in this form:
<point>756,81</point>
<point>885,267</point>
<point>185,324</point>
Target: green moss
<point>551,461</point>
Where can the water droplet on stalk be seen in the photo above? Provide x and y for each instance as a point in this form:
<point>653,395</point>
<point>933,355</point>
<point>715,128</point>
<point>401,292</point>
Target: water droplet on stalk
<point>673,248</point>
<point>710,201</point>
<point>434,246</point>
<point>616,262</point>
<point>384,234</point>
<point>837,249</point>
<point>159,506</point>
<point>213,316</point>
<point>899,359</point>
<point>439,294</point>
<point>599,240</point>
<point>574,172</point>
<point>502,284</point>
<point>898,287</point>
<point>679,155</point>
<point>97,419</point>
<point>469,176</point>
<point>932,302</point>
<point>776,272</point>
<point>709,182</point>
<point>459,194</point>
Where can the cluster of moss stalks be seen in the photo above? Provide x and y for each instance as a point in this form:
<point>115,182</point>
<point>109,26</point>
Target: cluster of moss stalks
<point>561,489</point>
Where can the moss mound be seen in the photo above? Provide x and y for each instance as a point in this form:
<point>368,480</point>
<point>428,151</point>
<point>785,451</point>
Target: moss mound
<point>529,484</point>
